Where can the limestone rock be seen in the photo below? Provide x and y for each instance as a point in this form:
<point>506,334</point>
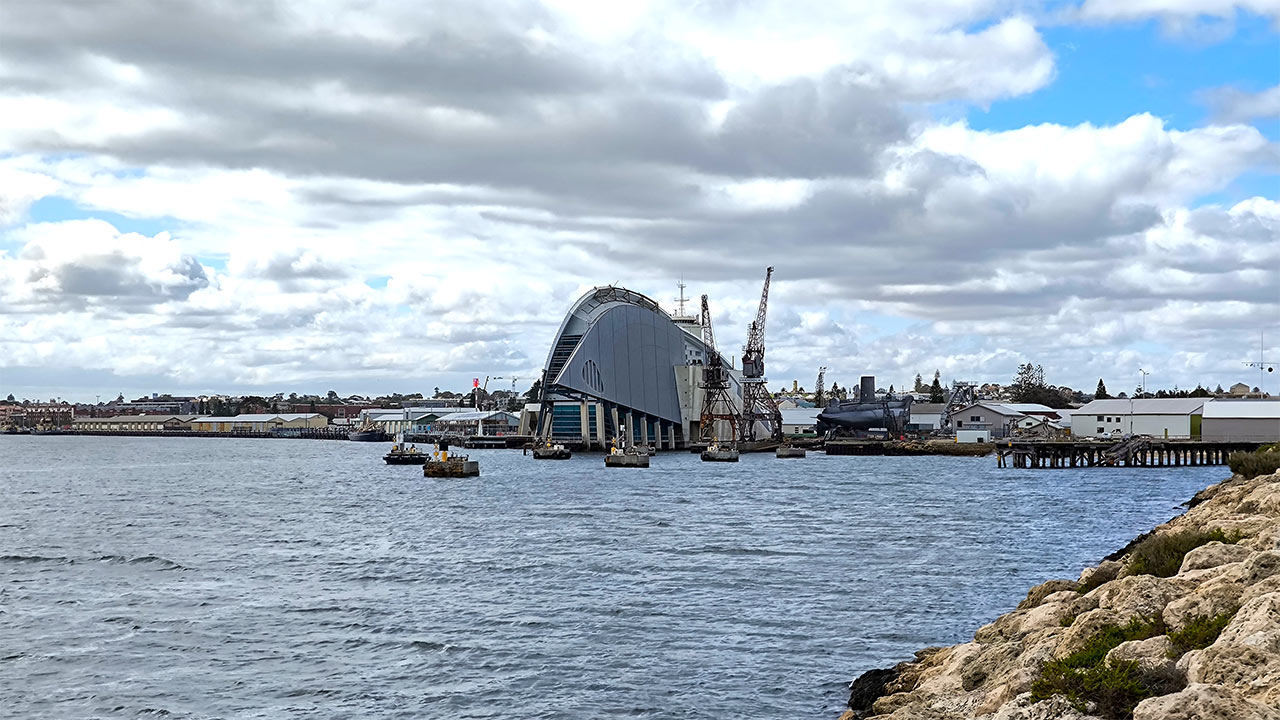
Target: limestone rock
<point>1203,702</point>
<point>1242,668</point>
<point>1262,587</point>
<point>1085,627</point>
<point>1138,595</point>
<point>1105,572</point>
<point>1042,591</point>
<point>1055,708</point>
<point>1208,601</point>
<point>1151,654</point>
<point>1212,555</point>
<point>1257,623</point>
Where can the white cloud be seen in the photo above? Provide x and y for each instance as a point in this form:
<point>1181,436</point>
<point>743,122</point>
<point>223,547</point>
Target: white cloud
<point>347,205</point>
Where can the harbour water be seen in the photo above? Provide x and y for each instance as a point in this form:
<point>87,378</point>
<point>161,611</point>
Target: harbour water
<point>218,578</point>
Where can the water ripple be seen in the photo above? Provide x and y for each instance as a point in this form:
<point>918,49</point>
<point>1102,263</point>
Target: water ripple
<point>204,578</point>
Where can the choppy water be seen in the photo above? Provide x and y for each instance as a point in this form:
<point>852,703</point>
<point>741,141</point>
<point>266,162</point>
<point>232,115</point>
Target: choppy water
<point>205,578</point>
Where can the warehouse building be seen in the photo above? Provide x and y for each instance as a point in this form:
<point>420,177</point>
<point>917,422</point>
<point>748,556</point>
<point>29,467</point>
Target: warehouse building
<point>259,422</point>
<point>1174,418</point>
<point>136,423</point>
<point>1242,420</point>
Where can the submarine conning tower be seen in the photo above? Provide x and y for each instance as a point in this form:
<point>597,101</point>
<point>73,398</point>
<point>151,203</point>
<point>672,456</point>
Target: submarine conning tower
<point>867,388</point>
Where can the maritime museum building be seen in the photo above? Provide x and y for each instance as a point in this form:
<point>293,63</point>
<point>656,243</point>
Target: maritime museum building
<point>619,363</point>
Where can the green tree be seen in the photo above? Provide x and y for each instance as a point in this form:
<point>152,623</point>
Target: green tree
<point>1029,387</point>
<point>935,389</point>
<point>1101,392</point>
<point>10,398</point>
<point>919,386</point>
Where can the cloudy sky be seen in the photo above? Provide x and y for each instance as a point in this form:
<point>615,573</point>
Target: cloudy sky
<point>381,195</point>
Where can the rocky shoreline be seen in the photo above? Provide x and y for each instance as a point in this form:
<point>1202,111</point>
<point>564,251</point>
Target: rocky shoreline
<point>1183,623</point>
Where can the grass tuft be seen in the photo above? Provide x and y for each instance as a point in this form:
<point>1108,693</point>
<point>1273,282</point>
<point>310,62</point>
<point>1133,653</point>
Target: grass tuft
<point>1200,633</point>
<point>1161,555</point>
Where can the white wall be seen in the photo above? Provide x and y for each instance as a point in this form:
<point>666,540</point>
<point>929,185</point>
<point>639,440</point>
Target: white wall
<point>1177,426</point>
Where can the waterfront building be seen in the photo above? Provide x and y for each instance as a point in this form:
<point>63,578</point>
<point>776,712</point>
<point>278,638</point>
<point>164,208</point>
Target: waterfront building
<point>259,422</point>
<point>619,363</point>
<point>926,416</point>
<point>1176,418</point>
<point>800,420</point>
<point>997,420</point>
<point>409,420</point>
<point>477,422</point>
<point>1240,420</point>
<point>136,423</point>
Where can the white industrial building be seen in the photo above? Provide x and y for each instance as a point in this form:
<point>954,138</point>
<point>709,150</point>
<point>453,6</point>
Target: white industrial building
<point>1176,418</point>
<point>799,420</point>
<point>1241,420</point>
<point>926,416</point>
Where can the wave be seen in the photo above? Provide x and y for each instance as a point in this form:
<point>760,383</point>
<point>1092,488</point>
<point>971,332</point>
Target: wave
<point>149,560</point>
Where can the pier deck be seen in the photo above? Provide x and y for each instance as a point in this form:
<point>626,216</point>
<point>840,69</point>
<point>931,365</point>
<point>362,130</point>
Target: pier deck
<point>1132,452</point>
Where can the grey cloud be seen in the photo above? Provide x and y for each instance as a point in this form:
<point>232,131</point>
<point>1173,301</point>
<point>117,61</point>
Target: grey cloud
<point>1233,105</point>
<point>114,278</point>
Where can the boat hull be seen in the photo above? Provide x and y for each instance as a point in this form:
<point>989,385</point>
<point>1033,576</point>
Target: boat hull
<point>368,436</point>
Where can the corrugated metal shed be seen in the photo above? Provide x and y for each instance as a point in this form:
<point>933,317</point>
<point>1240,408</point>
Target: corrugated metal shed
<point>1143,406</point>
<point>1264,409</point>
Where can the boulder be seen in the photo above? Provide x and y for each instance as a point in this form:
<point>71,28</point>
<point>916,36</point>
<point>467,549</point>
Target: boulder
<point>1151,654</point>
<point>1085,627</point>
<point>1103,573</point>
<point>1240,667</point>
<point>1212,555</point>
<point>1055,708</point>
<point>1262,587</point>
<point>1209,601</point>
<point>1263,500</point>
<point>1038,593</point>
<point>1138,595</point>
<point>1203,702</point>
<point>1257,623</point>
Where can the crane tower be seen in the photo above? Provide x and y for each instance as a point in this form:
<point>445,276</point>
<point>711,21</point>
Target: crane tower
<point>758,406</point>
<point>717,406</point>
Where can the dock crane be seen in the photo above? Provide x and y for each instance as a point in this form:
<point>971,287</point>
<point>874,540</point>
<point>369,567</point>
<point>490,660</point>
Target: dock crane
<point>758,405</point>
<point>717,405</point>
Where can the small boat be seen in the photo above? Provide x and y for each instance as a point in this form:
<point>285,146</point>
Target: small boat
<point>626,457</point>
<point>451,466</point>
<point>716,452</point>
<point>789,451</point>
<point>368,432</point>
<point>441,464</point>
<point>551,452</point>
<point>401,455</point>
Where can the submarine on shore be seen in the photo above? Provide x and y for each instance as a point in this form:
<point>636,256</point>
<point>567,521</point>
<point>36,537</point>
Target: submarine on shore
<point>865,413</point>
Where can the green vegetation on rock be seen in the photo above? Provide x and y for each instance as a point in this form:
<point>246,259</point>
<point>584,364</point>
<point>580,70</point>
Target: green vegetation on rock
<point>1161,555</point>
<point>1108,689</point>
<point>1251,465</point>
<point>1199,633</point>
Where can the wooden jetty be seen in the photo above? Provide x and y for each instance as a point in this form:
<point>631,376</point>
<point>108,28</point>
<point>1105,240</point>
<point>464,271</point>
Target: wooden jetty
<point>1131,452</point>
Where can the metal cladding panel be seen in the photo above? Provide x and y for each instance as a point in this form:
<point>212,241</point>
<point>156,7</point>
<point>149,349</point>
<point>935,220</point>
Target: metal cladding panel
<point>633,354</point>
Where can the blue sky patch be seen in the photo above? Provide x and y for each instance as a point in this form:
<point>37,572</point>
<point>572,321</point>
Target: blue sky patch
<point>58,209</point>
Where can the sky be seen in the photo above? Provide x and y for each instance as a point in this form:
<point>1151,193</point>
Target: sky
<point>371,196</point>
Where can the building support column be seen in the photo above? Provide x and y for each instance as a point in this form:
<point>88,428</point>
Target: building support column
<point>585,426</point>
